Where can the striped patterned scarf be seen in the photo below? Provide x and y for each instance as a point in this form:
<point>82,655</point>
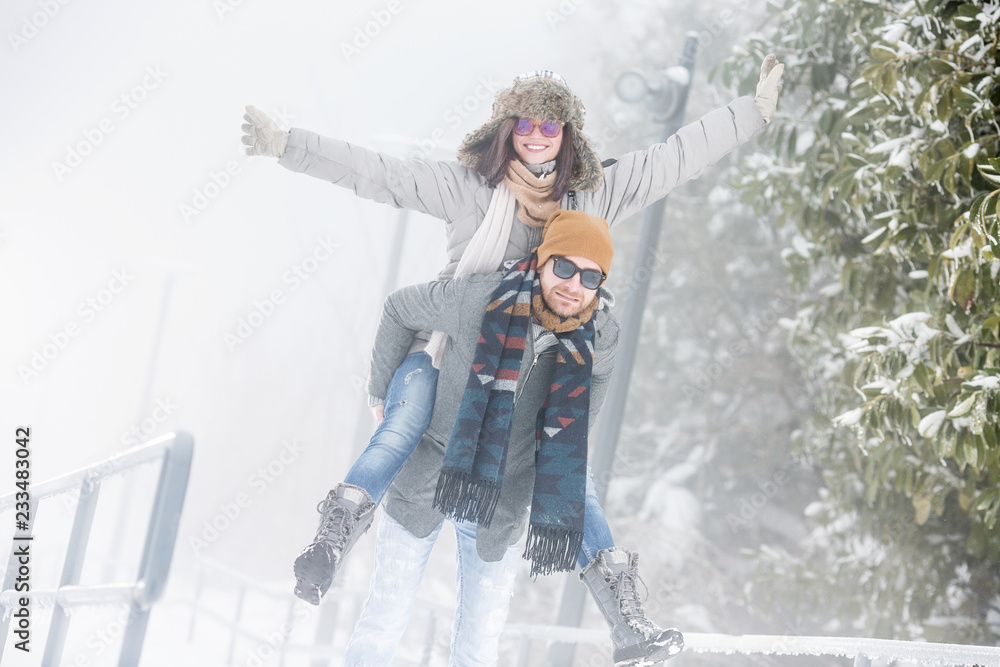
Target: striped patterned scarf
<point>472,474</point>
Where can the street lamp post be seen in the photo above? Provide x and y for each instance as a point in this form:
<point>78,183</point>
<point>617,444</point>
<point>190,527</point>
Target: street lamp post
<point>669,99</point>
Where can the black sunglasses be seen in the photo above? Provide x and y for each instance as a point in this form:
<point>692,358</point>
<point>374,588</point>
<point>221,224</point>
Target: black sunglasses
<point>565,269</point>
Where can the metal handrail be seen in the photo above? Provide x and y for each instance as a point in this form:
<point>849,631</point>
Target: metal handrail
<point>175,450</point>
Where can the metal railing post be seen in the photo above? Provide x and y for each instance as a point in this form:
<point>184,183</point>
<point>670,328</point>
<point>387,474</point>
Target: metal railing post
<point>431,636</point>
<point>79,537</point>
<point>524,653</point>
<point>161,536</point>
<point>325,627</point>
<point>198,585</point>
<point>289,622</point>
<point>237,615</point>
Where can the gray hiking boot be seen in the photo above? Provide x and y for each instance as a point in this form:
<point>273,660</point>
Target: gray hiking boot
<point>612,577</point>
<point>346,514</point>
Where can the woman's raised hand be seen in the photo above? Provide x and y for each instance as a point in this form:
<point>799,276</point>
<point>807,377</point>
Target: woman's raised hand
<point>769,86</point>
<point>261,135</point>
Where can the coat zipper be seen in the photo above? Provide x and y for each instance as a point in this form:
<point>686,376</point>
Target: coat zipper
<point>526,375</point>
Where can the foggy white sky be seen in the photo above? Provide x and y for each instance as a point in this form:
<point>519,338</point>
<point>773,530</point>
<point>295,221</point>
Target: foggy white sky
<point>93,253</point>
<point>186,70</point>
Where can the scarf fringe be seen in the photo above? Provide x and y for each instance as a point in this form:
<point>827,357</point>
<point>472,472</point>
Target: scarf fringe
<point>552,549</point>
<point>462,498</point>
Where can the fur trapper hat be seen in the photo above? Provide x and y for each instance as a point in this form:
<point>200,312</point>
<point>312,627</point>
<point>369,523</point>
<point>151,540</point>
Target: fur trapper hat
<point>544,97</point>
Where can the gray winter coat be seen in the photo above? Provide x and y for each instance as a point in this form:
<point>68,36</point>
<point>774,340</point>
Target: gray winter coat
<point>456,307</point>
<point>460,196</point>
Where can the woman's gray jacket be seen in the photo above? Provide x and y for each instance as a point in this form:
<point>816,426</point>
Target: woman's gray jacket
<point>459,196</point>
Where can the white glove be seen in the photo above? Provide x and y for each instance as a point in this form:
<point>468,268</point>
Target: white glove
<point>261,135</point>
<point>769,86</point>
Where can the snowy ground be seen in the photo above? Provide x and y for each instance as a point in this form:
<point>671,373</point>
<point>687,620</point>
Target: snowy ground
<point>207,598</point>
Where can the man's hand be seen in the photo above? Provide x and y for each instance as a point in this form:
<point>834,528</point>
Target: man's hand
<point>378,412</point>
<point>769,86</point>
<point>261,135</point>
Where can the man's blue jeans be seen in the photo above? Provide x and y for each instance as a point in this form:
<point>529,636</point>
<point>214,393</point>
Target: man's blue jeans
<point>596,533</point>
<point>484,592</point>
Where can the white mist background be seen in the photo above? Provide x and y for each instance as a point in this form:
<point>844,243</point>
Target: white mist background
<point>112,230</point>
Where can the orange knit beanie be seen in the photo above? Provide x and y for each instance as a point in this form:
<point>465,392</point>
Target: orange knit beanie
<point>577,234</point>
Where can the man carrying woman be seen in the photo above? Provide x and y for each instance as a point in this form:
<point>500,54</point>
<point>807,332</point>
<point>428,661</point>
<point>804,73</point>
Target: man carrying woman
<point>530,160</point>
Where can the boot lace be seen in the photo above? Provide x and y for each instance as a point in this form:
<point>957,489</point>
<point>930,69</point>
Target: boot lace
<point>335,524</point>
<point>626,592</point>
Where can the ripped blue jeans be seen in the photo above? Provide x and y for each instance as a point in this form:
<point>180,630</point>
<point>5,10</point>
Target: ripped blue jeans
<point>409,403</point>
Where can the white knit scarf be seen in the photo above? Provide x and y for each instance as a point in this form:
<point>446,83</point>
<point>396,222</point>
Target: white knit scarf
<point>484,254</point>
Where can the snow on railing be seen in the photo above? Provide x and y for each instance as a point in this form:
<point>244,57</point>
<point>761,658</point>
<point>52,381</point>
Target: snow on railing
<point>175,451</point>
<point>862,650</point>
